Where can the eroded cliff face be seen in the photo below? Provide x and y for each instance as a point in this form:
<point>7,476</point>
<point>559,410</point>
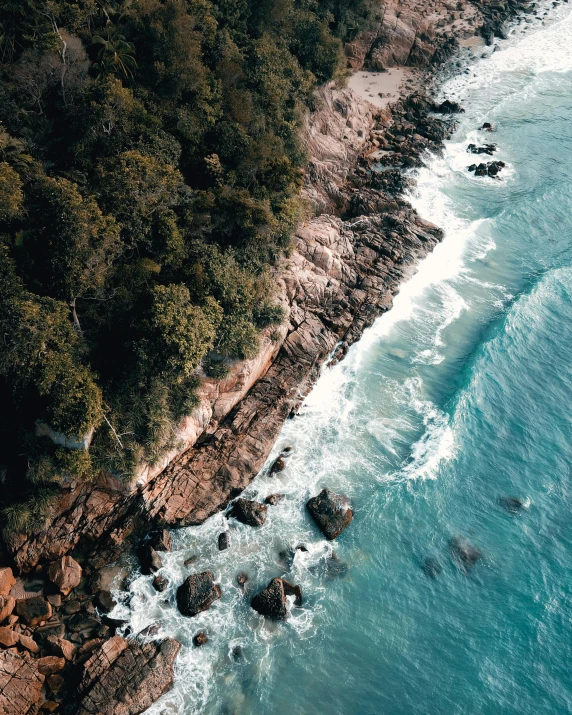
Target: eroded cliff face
<point>346,266</point>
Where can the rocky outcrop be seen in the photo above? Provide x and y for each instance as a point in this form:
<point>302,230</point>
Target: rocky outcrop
<point>197,593</point>
<point>20,685</point>
<point>125,677</point>
<point>249,512</point>
<point>272,601</point>
<point>331,512</point>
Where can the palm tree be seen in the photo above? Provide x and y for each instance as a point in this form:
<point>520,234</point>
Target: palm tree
<point>115,55</point>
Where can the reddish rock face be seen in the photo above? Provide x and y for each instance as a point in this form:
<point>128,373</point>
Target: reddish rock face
<point>126,677</point>
<point>8,638</point>
<point>20,684</point>
<point>50,665</point>
<point>7,580</point>
<point>7,604</point>
<point>65,573</point>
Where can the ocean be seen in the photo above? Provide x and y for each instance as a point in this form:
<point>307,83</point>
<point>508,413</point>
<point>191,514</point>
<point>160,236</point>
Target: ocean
<point>459,397</point>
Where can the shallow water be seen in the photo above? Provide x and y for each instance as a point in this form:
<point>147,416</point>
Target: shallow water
<point>458,396</point>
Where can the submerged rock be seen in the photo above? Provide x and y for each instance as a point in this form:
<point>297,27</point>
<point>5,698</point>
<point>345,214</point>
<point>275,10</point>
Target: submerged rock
<point>331,512</point>
<point>241,579</point>
<point>249,512</point>
<point>432,567</point>
<point>197,593</point>
<point>160,583</point>
<point>464,552</point>
<point>512,504</point>
<point>334,567</point>
<point>273,499</point>
<point>271,601</point>
<point>278,466</point>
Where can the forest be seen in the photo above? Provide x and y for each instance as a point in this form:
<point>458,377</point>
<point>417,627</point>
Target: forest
<point>150,177</point>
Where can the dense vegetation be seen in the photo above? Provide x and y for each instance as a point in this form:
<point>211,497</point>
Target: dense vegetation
<point>150,170</point>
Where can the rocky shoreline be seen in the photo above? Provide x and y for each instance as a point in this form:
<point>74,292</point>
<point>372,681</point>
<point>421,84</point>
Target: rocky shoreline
<point>58,649</point>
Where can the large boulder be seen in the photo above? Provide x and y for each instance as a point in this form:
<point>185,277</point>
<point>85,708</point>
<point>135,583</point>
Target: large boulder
<point>331,512</point>
<point>272,601</point>
<point>8,638</point>
<point>197,593</point>
<point>33,610</point>
<point>249,512</point>
<point>65,573</point>
<point>7,580</point>
<point>7,604</point>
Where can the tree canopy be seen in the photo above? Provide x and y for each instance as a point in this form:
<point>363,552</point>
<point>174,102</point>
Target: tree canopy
<point>150,171</point>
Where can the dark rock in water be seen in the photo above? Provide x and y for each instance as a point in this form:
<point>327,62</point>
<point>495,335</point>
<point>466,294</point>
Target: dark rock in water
<point>302,548</point>
<point>473,167</point>
<point>149,559</point>
<point>464,552</point>
<point>161,540</point>
<point>224,541</point>
<point>448,107</point>
<point>331,512</point>
<point>200,639</point>
<point>150,631</point>
<point>160,583</point>
<point>273,499</point>
<point>487,127</point>
<point>512,504</point>
<point>286,557</point>
<point>241,579</point>
<point>249,512</point>
<point>271,602</point>
<point>197,593</point>
<point>481,170</point>
<point>104,601</point>
<point>432,567</point>
<point>286,450</point>
<point>278,466</point>
<point>190,560</point>
<point>486,149</point>
<point>334,567</point>
<point>237,653</point>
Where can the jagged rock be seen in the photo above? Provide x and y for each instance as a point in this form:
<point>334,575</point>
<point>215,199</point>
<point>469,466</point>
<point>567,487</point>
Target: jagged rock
<point>431,567</point>
<point>50,664</point>
<point>160,583</point>
<point>33,610</point>
<point>224,541</point>
<point>464,552</point>
<point>149,559</point>
<point>151,631</point>
<point>271,601</point>
<point>20,684</point>
<point>448,107</point>
<point>126,678</point>
<point>201,639</point>
<point>8,637</point>
<point>241,579</point>
<point>331,512</point>
<point>197,593</point>
<point>7,604</point>
<point>161,540</point>
<point>7,580</point>
<point>511,504</point>
<point>65,573</point>
<point>29,644</point>
<point>278,466</point>
<point>61,648</point>
<point>104,601</point>
<point>273,499</point>
<point>249,512</point>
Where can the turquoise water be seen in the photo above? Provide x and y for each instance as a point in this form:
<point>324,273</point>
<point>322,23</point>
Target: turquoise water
<point>460,395</point>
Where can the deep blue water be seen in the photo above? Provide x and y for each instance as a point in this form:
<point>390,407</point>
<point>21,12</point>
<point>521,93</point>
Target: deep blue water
<point>460,395</point>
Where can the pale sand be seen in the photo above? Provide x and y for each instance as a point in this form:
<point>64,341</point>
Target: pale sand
<point>369,85</point>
